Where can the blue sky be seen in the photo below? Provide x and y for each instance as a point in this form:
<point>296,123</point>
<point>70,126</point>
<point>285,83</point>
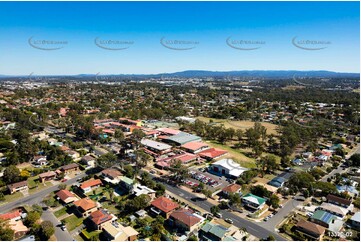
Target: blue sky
<point>207,26</point>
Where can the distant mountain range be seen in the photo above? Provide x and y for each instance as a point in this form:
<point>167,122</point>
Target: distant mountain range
<point>246,74</point>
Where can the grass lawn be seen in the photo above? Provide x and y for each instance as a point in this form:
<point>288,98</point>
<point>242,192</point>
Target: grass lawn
<point>235,154</point>
<point>243,125</point>
<point>72,222</point>
<point>40,186</point>
<point>90,234</point>
<point>110,207</point>
<point>12,197</point>
<point>60,212</point>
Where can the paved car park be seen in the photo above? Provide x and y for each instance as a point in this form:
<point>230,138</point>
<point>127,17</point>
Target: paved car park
<point>212,182</point>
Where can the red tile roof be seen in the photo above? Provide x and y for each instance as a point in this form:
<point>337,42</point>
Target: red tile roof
<point>85,204</point>
<point>186,216</point>
<point>212,153</point>
<point>64,194</point>
<point>91,183</point>
<point>164,204</point>
<point>231,188</point>
<point>100,216</point>
<point>195,145</point>
<point>10,215</point>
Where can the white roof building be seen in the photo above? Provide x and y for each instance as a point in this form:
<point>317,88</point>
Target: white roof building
<point>155,145</point>
<point>228,167</point>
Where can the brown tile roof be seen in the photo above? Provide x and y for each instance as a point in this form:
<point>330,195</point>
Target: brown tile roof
<point>185,216</point>
<point>70,166</point>
<point>64,194</point>
<point>18,184</point>
<point>47,174</point>
<point>111,172</point>
<point>336,199</point>
<point>164,204</point>
<point>312,227</point>
<point>100,216</point>
<point>91,183</point>
<point>231,188</point>
<point>85,204</point>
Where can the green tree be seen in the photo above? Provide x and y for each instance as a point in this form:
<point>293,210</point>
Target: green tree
<point>47,229</point>
<point>11,174</point>
<point>274,201</point>
<point>31,218</point>
<point>215,210</point>
<point>6,233</point>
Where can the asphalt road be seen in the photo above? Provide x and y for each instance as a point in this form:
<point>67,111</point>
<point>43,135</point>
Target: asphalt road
<point>59,233</point>
<point>36,198</point>
<point>252,227</point>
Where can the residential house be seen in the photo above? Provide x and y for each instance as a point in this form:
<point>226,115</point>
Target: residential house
<point>127,183</point>
<point>47,176</point>
<point>334,209</point>
<point>111,175</point>
<point>40,160</point>
<point>355,220</point>
<point>232,188</point>
<point>100,217</point>
<point>139,189</point>
<point>19,228</point>
<point>163,206</point>
<point>116,232</point>
<point>90,185</point>
<point>311,230</point>
<point>66,196</point>
<point>277,182</point>
<point>69,168</point>
<point>219,230</point>
<point>327,220</point>
<point>73,154</point>
<point>14,215</point>
<point>85,206</point>
<point>228,168</point>
<point>212,153</point>
<point>185,220</point>
<point>253,202</point>
<point>339,201</point>
<point>89,161</point>
<point>18,186</point>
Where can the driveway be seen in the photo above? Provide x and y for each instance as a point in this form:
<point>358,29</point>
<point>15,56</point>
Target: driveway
<point>59,233</point>
<point>36,198</point>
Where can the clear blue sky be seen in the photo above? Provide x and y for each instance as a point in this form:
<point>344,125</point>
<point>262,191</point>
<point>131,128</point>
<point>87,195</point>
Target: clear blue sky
<point>209,24</point>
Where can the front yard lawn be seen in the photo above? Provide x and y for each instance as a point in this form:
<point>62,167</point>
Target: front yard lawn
<point>60,212</point>
<point>72,222</point>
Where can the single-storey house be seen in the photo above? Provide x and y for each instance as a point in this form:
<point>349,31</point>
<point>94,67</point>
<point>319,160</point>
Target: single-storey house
<point>85,206</point>
<point>355,220</point>
<point>91,184</point>
<point>100,217</point>
<point>66,196</point>
<point>18,186</point>
<point>232,188</point>
<point>47,176</point>
<point>69,168</point>
<point>185,219</point>
<point>163,206</point>
<point>116,232</point>
<point>312,230</point>
<point>254,202</point>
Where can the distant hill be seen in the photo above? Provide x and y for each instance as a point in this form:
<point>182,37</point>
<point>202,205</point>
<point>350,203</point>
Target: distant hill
<point>266,74</point>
